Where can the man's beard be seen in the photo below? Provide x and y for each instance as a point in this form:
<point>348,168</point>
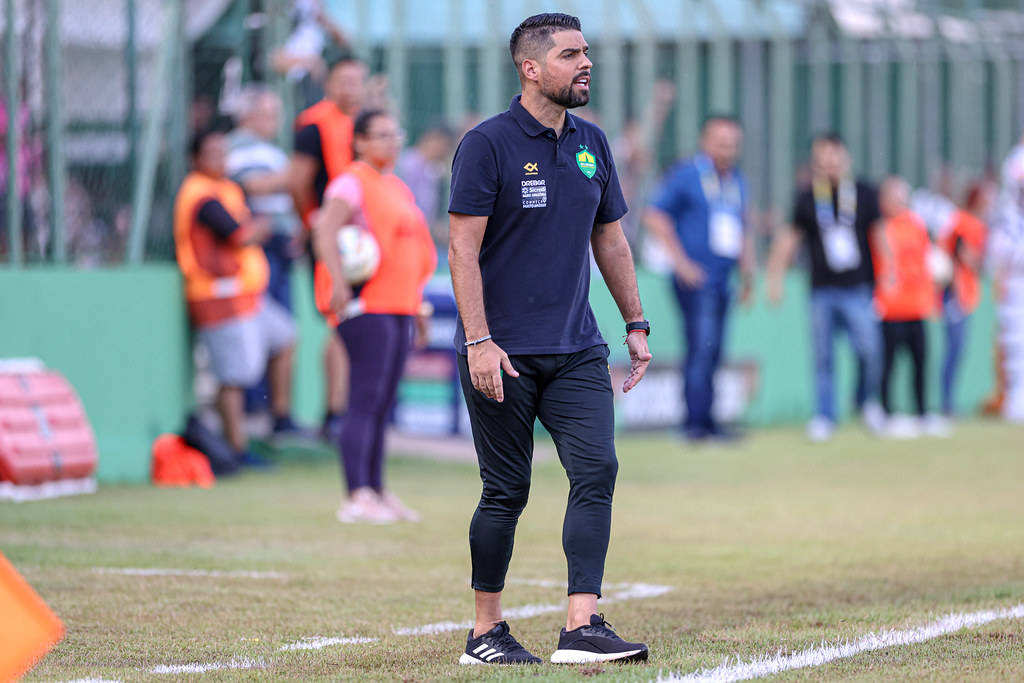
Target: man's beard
<point>565,97</point>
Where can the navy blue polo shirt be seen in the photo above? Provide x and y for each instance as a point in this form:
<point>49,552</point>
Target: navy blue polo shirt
<point>681,195</point>
<point>542,195</point>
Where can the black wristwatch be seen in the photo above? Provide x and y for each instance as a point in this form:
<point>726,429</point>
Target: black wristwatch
<point>643,325</point>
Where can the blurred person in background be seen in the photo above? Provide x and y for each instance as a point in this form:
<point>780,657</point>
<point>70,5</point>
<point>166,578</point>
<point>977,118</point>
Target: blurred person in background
<point>963,240</point>
<point>323,150</point>
<point>1006,256</point>
<point>423,168</point>
<point>218,248</point>
<point>904,298</point>
<point>636,152</point>
<point>374,319</point>
<point>301,58</point>
<point>698,216</point>
<point>834,217</point>
<point>261,168</point>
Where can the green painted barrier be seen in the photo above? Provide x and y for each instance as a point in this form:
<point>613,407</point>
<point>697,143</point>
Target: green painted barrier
<point>121,338</point>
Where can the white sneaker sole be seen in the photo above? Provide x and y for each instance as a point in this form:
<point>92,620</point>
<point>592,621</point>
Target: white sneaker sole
<point>468,659</point>
<point>584,657</point>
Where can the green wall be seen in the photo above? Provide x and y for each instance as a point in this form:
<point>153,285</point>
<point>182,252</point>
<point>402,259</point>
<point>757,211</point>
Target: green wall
<point>779,341</point>
<point>120,337</point>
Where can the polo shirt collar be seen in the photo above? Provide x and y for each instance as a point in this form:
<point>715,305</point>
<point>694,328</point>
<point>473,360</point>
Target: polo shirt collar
<point>532,126</point>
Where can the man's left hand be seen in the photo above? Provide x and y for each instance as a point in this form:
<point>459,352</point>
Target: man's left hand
<point>639,358</point>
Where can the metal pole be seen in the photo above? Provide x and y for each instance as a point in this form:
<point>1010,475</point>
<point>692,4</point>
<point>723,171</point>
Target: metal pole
<point>132,87</point>
<point>398,62</point>
<point>14,243</point>
<point>491,65</point>
<point>610,72</point>
<point>55,129</point>
<point>143,200</point>
<point>454,106</point>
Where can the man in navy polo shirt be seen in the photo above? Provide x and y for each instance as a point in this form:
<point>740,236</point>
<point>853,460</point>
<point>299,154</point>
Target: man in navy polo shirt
<point>533,189</point>
<point>698,217</point>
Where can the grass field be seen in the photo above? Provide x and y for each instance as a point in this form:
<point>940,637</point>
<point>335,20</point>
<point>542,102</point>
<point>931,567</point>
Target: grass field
<point>771,546</point>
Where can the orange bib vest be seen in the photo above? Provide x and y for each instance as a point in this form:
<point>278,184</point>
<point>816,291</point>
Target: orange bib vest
<point>222,280</point>
<point>407,254</point>
<point>335,128</point>
<point>904,289</point>
<point>966,284</point>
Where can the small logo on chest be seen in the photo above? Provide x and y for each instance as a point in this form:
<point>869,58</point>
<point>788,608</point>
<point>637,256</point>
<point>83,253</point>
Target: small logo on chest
<point>531,168</point>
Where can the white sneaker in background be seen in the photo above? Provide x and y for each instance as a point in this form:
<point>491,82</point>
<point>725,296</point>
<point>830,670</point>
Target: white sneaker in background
<point>874,418</point>
<point>904,427</point>
<point>365,508</point>
<point>820,429</point>
<point>936,425</point>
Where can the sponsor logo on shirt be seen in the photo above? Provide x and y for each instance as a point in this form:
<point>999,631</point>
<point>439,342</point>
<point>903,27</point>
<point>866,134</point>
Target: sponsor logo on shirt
<point>535,194</point>
<point>531,168</point>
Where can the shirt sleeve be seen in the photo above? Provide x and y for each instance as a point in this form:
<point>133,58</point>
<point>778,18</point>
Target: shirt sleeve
<point>669,196</point>
<point>307,141</point>
<point>872,212</point>
<point>475,182</point>
<point>613,204</point>
<point>346,188</point>
<point>801,218</point>
<point>214,216</point>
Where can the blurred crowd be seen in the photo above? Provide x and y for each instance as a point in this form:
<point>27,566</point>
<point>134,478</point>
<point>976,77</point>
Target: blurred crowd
<point>881,260</point>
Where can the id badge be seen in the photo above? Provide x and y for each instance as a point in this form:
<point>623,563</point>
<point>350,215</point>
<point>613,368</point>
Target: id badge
<point>726,235</point>
<point>841,249</point>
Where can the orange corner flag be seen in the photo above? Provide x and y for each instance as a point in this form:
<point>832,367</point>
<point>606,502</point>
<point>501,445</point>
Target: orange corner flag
<point>28,628</point>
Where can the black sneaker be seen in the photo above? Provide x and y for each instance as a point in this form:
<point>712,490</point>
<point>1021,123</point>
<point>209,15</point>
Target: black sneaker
<point>497,646</point>
<point>596,643</point>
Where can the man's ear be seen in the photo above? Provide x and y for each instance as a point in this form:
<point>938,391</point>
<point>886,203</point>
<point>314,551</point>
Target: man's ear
<point>531,69</point>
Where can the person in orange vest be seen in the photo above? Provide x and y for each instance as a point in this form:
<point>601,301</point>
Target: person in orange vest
<point>904,292</point>
<point>964,243</point>
<point>375,318</point>
<point>219,252</point>
<point>323,149</point>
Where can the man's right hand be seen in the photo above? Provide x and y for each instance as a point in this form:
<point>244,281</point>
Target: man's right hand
<point>486,362</point>
<point>690,273</point>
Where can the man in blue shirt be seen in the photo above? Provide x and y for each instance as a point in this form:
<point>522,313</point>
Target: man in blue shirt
<point>698,216</point>
<point>533,190</point>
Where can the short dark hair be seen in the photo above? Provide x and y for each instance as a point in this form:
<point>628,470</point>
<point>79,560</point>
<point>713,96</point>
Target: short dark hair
<point>345,59</point>
<point>832,137</point>
<point>723,117</point>
<point>200,137</point>
<point>364,118</point>
<point>533,36</point>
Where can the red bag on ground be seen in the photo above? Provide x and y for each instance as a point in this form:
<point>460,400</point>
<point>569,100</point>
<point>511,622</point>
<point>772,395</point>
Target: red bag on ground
<point>175,463</point>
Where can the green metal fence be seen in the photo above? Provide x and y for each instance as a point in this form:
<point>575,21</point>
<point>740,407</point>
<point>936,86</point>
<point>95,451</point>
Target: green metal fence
<point>102,113</point>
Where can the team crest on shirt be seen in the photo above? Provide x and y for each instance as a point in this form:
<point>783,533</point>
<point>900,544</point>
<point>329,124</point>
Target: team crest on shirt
<point>586,161</point>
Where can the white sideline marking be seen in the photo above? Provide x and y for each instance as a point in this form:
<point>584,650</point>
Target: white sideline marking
<point>320,642</point>
<point>624,591</point>
<point>136,571</point>
<point>766,665</point>
<point>235,663</point>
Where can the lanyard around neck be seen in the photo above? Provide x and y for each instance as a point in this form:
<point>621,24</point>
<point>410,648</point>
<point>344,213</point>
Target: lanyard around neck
<point>824,209</point>
<point>718,192</point>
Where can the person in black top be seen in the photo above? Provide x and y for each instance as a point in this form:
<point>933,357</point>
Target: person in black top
<point>533,190</point>
<point>834,217</point>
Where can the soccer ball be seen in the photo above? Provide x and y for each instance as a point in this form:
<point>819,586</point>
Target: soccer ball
<point>360,254</point>
<point>940,265</point>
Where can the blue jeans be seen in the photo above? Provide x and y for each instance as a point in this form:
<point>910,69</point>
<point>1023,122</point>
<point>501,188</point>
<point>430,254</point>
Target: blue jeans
<point>955,320</point>
<point>852,309</point>
<point>704,312</point>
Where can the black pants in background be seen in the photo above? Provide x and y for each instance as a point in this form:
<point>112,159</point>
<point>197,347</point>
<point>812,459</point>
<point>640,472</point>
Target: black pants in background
<point>908,333</point>
<point>571,395</point>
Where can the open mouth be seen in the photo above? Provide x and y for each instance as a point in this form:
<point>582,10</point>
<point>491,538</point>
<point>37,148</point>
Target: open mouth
<point>583,81</point>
